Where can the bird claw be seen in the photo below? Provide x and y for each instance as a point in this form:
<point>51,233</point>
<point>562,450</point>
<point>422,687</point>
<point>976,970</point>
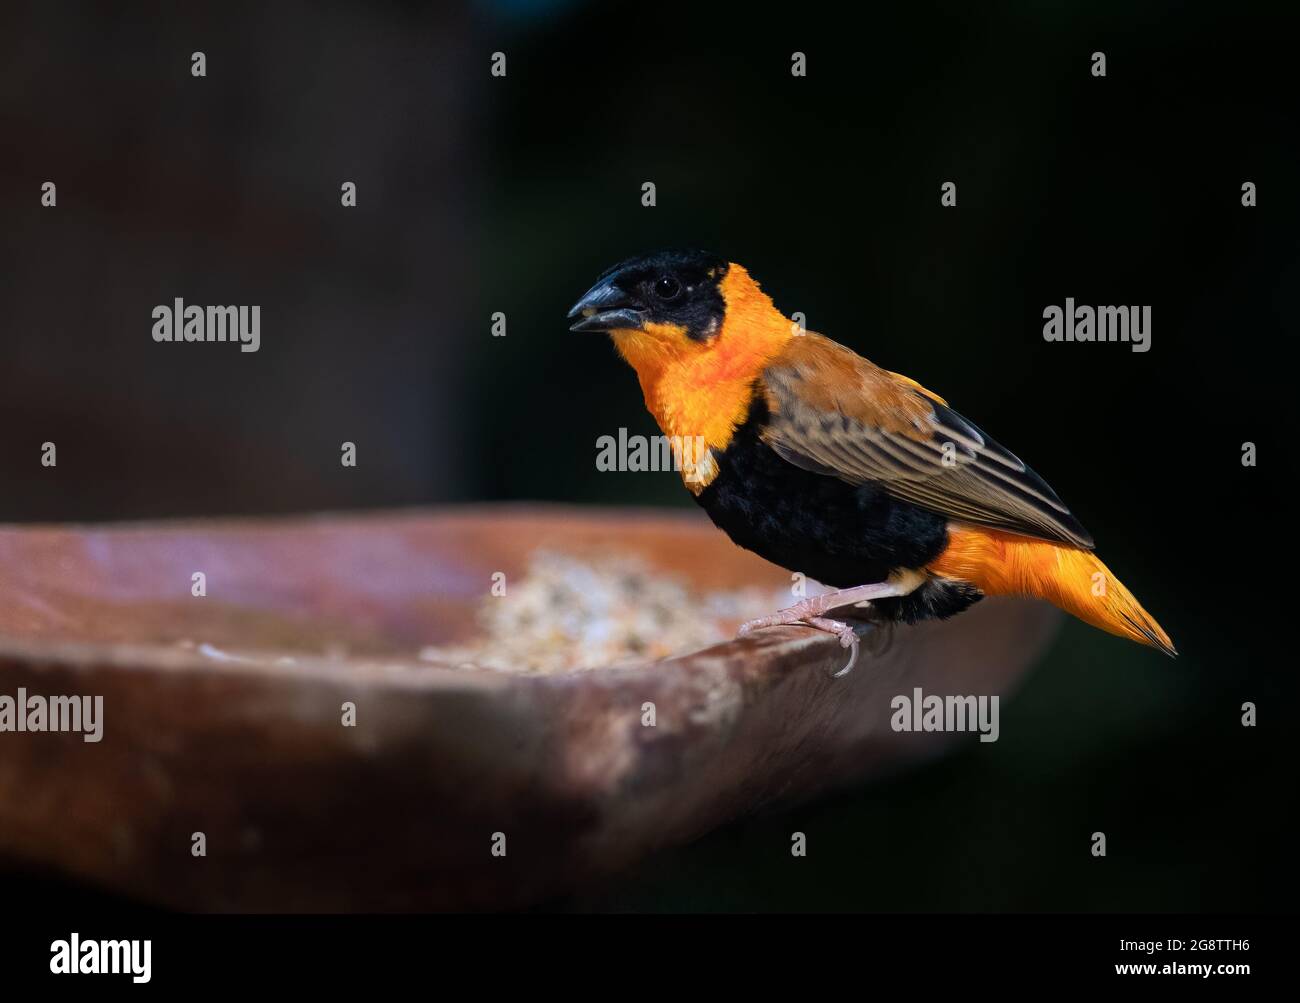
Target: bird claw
<point>799,615</point>
<point>848,639</point>
<point>811,612</point>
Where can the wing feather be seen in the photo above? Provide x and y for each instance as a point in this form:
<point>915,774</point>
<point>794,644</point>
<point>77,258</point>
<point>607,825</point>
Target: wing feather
<point>837,414</point>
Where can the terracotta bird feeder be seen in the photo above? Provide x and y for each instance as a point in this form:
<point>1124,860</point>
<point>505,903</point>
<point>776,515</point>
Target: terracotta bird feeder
<point>293,731</point>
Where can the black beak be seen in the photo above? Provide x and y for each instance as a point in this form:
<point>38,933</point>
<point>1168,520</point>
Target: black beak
<point>606,307</point>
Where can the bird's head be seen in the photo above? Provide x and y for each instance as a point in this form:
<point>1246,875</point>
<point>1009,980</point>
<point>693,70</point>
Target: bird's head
<point>673,294</point>
<point>677,307</point>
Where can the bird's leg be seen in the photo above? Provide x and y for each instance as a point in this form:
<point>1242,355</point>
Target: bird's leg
<point>809,611</point>
<point>816,606</point>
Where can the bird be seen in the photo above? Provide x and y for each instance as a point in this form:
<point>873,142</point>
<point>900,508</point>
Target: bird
<point>824,463</point>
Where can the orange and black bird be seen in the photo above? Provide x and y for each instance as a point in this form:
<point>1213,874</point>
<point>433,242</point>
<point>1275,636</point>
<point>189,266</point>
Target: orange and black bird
<point>824,463</point>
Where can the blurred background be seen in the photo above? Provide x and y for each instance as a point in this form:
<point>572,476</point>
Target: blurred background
<point>478,194</point>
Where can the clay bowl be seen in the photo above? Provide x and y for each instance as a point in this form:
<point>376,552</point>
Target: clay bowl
<point>400,811</point>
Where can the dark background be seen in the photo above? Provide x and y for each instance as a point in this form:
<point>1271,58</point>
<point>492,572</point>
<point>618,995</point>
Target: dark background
<point>479,194</point>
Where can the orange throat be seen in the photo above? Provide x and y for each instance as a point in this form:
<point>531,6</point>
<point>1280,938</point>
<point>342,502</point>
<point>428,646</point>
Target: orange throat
<point>701,390</point>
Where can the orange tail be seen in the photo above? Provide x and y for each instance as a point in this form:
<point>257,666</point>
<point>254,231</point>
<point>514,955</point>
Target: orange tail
<point>1001,563</point>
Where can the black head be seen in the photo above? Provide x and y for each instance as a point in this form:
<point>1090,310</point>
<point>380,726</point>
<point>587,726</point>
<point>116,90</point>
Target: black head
<point>678,288</point>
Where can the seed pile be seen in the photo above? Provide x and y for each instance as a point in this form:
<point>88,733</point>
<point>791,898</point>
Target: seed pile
<point>569,613</point>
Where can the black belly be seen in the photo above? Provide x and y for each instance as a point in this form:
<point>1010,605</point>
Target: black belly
<point>836,533</point>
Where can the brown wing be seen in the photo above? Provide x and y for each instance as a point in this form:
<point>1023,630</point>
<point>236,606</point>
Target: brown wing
<point>835,413</point>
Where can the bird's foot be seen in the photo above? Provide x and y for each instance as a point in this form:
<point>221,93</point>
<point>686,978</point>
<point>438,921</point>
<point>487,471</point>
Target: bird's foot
<point>800,612</point>
<point>846,634</point>
<point>796,615</point>
<point>848,639</point>
<point>810,612</point>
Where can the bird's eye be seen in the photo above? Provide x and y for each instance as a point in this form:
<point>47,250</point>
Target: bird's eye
<point>667,288</point>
